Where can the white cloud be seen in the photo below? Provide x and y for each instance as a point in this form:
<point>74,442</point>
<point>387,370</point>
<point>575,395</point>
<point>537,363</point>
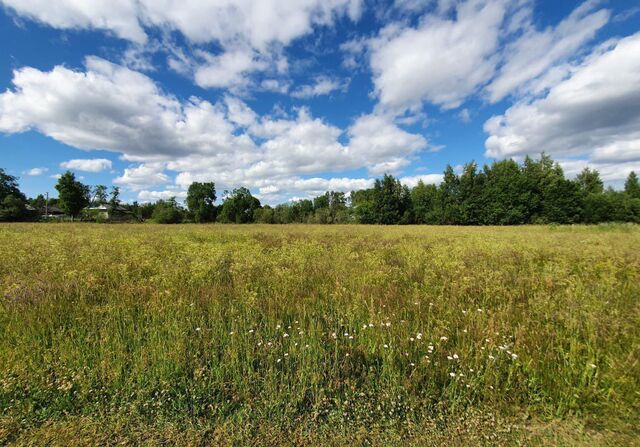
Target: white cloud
<point>384,145</point>
<point>143,176</point>
<point>429,179</point>
<point>153,196</point>
<point>250,33</point>
<point>114,108</point>
<point>259,23</point>
<point>594,113</point>
<point>535,52</point>
<point>33,172</point>
<point>116,16</point>
<point>322,85</point>
<point>611,173</point>
<point>442,60</point>
<point>88,165</point>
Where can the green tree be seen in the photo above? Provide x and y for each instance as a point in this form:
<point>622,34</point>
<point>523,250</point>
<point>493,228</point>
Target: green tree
<point>469,200</point>
<point>632,186</point>
<point>12,200</point>
<point>392,201</point>
<point>589,182</point>
<point>448,194</point>
<point>239,206</point>
<point>114,200</point>
<point>201,199</point>
<point>503,197</point>
<point>167,212</point>
<point>73,196</point>
<point>99,195</point>
<point>425,199</point>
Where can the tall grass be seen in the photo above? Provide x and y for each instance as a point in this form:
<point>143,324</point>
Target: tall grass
<point>337,327</point>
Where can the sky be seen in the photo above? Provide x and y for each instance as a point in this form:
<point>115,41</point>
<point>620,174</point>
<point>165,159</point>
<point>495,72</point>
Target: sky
<point>292,98</point>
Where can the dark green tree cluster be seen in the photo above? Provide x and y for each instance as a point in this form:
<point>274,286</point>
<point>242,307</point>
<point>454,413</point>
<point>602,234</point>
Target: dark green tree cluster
<point>503,193</point>
<point>12,201</point>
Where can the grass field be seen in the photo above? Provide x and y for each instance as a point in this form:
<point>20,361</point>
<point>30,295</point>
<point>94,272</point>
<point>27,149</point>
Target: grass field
<point>310,335</point>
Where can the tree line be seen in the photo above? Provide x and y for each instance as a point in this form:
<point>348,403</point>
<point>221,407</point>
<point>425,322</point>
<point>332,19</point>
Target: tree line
<point>502,193</point>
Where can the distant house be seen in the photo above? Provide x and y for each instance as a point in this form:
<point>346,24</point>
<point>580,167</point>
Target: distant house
<point>105,211</point>
<point>51,212</point>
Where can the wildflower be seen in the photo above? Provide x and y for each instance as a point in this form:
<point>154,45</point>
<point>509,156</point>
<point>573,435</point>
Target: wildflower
<point>350,337</point>
<point>259,343</point>
<point>479,310</point>
<point>387,324</point>
<point>364,326</point>
<point>449,357</point>
<point>278,327</point>
<point>491,357</point>
<point>514,356</point>
<point>386,346</point>
<point>279,360</point>
<point>470,369</point>
<point>412,364</point>
<point>347,354</point>
<point>455,356</point>
<point>285,335</point>
<point>286,354</point>
<point>198,329</point>
<point>306,346</point>
<point>593,365</point>
<point>251,331</point>
<point>333,334</point>
<point>443,338</point>
<point>419,335</point>
<point>464,330</point>
<point>301,332</point>
<point>452,374</point>
<point>411,339</point>
<point>370,324</point>
<point>231,333</point>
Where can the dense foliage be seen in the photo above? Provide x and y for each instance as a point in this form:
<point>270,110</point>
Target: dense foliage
<point>503,193</point>
<point>260,335</point>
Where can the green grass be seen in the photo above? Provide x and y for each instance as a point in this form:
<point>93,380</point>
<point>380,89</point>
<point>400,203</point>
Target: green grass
<point>310,335</point>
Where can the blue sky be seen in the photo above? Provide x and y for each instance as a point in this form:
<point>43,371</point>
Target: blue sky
<point>292,98</point>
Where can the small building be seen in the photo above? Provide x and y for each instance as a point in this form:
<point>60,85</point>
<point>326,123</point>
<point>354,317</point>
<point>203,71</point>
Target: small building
<point>51,212</point>
<point>107,212</point>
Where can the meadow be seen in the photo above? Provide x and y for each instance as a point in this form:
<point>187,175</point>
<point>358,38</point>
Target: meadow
<point>319,335</point>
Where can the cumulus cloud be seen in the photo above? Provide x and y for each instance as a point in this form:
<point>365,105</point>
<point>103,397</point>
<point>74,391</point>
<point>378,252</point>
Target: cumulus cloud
<point>88,165</point>
<point>249,33</point>
<point>322,85</point>
<point>114,108</point>
<point>387,147</point>
<point>442,60</point>
<point>143,176</point>
<point>34,172</point>
<point>593,113</point>
<point>429,179</point>
<point>459,49</point>
<point>535,51</point>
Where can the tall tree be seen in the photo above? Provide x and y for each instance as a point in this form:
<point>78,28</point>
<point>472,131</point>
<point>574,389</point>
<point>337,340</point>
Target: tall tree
<point>239,206</point>
<point>632,186</point>
<point>99,195</point>
<point>392,201</point>
<point>448,193</point>
<point>114,200</point>
<point>73,195</point>
<point>201,199</point>
<point>12,200</point>
<point>589,182</point>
